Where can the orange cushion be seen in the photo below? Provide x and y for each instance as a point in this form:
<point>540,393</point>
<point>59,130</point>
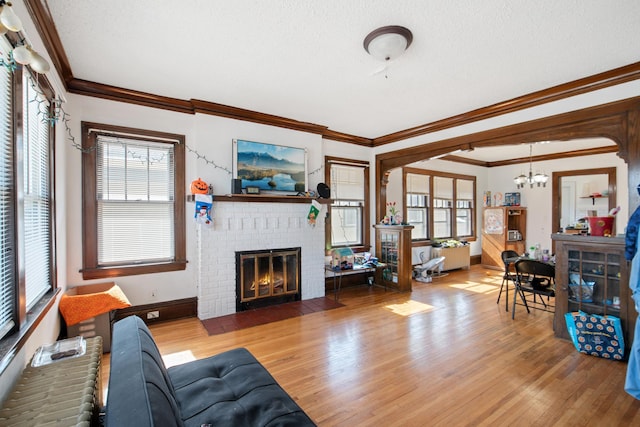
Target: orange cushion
<point>76,308</point>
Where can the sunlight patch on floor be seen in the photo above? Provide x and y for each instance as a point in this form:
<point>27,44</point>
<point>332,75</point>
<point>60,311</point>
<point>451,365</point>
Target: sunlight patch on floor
<point>410,307</point>
<point>481,288</point>
<point>178,358</point>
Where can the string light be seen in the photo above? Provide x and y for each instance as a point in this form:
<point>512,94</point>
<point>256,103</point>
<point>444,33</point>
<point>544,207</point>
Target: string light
<point>315,171</point>
<point>10,64</point>
<point>207,161</point>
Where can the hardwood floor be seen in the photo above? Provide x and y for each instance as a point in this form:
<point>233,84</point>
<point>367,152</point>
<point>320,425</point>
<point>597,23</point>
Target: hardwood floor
<point>444,354</point>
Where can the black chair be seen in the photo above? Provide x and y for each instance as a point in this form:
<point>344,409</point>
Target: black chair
<point>534,278</point>
<point>508,258</point>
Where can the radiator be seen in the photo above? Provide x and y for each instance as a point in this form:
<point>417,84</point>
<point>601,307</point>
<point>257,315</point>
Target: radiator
<point>454,258</point>
<point>63,393</point>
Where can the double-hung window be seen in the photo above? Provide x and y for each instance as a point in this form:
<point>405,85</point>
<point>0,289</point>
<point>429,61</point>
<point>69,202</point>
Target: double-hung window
<point>440,205</point>
<point>349,184</point>
<point>133,201</point>
<point>27,272</point>
<point>465,204</point>
<point>418,201</point>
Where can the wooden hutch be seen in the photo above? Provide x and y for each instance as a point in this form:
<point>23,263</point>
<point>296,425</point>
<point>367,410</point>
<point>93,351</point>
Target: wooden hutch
<point>503,228</point>
<point>599,263</point>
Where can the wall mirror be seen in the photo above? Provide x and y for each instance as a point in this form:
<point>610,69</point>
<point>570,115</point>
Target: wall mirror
<point>577,192</point>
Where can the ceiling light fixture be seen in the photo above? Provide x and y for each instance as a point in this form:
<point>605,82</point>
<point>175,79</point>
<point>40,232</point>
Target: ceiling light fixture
<point>387,43</point>
<point>538,178</point>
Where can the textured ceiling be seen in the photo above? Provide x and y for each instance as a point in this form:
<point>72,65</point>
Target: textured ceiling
<point>304,59</point>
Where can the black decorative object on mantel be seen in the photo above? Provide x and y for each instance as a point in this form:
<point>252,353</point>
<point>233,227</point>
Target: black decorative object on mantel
<point>236,186</point>
<point>324,191</point>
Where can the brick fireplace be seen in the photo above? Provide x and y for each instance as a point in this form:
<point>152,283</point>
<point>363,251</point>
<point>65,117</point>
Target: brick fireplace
<point>253,226</point>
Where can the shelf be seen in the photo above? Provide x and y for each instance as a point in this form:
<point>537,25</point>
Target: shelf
<point>261,198</point>
<point>593,198</point>
<point>595,307</point>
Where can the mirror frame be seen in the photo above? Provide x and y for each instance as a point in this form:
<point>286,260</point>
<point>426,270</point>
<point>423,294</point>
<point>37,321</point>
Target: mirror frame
<point>556,192</point>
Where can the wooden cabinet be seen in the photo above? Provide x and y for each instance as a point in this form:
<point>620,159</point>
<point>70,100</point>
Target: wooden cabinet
<point>592,275</point>
<point>503,228</point>
<point>393,249</point>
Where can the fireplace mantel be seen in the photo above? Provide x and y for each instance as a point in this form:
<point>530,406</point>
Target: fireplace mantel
<point>262,198</point>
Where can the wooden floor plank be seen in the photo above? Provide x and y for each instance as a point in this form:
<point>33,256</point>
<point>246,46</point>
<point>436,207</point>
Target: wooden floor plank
<point>444,354</point>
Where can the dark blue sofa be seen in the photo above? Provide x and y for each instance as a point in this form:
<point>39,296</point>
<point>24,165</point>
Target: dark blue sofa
<point>229,389</point>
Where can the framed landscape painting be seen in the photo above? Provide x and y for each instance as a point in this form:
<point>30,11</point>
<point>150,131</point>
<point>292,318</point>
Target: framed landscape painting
<point>270,167</point>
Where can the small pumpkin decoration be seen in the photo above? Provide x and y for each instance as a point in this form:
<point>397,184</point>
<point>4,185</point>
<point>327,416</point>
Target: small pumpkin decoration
<point>198,186</point>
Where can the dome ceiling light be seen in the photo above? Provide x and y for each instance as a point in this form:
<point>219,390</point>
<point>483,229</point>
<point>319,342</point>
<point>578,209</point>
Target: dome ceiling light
<point>387,43</point>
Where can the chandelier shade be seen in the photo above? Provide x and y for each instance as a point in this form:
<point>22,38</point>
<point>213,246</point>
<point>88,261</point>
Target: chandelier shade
<point>8,18</point>
<point>538,179</point>
<point>22,54</point>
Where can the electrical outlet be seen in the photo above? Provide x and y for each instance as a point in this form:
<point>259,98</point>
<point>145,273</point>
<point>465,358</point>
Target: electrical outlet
<point>153,314</point>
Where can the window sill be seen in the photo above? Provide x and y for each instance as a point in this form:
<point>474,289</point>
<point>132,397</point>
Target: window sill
<point>132,270</point>
<point>11,345</point>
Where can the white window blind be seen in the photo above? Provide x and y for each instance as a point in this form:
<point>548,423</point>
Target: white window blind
<point>37,197</point>
<point>465,189</point>
<point>7,197</point>
<point>135,201</point>
<point>443,187</point>
<point>417,183</point>
<point>347,182</point>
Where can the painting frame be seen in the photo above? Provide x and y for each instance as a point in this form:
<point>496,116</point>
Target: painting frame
<point>272,168</point>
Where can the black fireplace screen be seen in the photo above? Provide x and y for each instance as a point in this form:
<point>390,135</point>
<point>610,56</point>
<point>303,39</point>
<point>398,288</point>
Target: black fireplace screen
<point>267,277</point>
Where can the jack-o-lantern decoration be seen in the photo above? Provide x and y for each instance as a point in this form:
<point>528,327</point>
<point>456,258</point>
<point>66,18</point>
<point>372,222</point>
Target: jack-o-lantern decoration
<point>198,186</point>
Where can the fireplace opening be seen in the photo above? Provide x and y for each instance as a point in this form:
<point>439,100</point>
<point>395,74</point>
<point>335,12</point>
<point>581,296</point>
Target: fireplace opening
<point>267,277</point>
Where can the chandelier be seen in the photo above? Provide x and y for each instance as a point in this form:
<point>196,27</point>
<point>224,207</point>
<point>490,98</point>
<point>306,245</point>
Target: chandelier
<point>538,178</point>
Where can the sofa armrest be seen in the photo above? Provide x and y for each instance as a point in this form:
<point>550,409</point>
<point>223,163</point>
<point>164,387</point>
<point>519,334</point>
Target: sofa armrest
<point>140,393</point>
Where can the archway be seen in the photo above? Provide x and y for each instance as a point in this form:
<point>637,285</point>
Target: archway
<point>618,121</point>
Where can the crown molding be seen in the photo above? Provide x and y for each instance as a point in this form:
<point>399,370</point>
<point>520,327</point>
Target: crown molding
<point>576,87</point>
<point>99,90</point>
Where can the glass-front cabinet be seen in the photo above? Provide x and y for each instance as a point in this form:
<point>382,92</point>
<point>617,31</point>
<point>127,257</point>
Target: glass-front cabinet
<point>393,249</point>
<point>592,275</point>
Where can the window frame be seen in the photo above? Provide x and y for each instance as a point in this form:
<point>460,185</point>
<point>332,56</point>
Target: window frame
<point>431,207</point>
<point>365,246</point>
<point>91,268</point>
<point>26,320</point>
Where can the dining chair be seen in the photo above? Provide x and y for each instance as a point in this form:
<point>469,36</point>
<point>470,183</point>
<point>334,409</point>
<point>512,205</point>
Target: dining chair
<point>508,258</point>
<point>536,278</point>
